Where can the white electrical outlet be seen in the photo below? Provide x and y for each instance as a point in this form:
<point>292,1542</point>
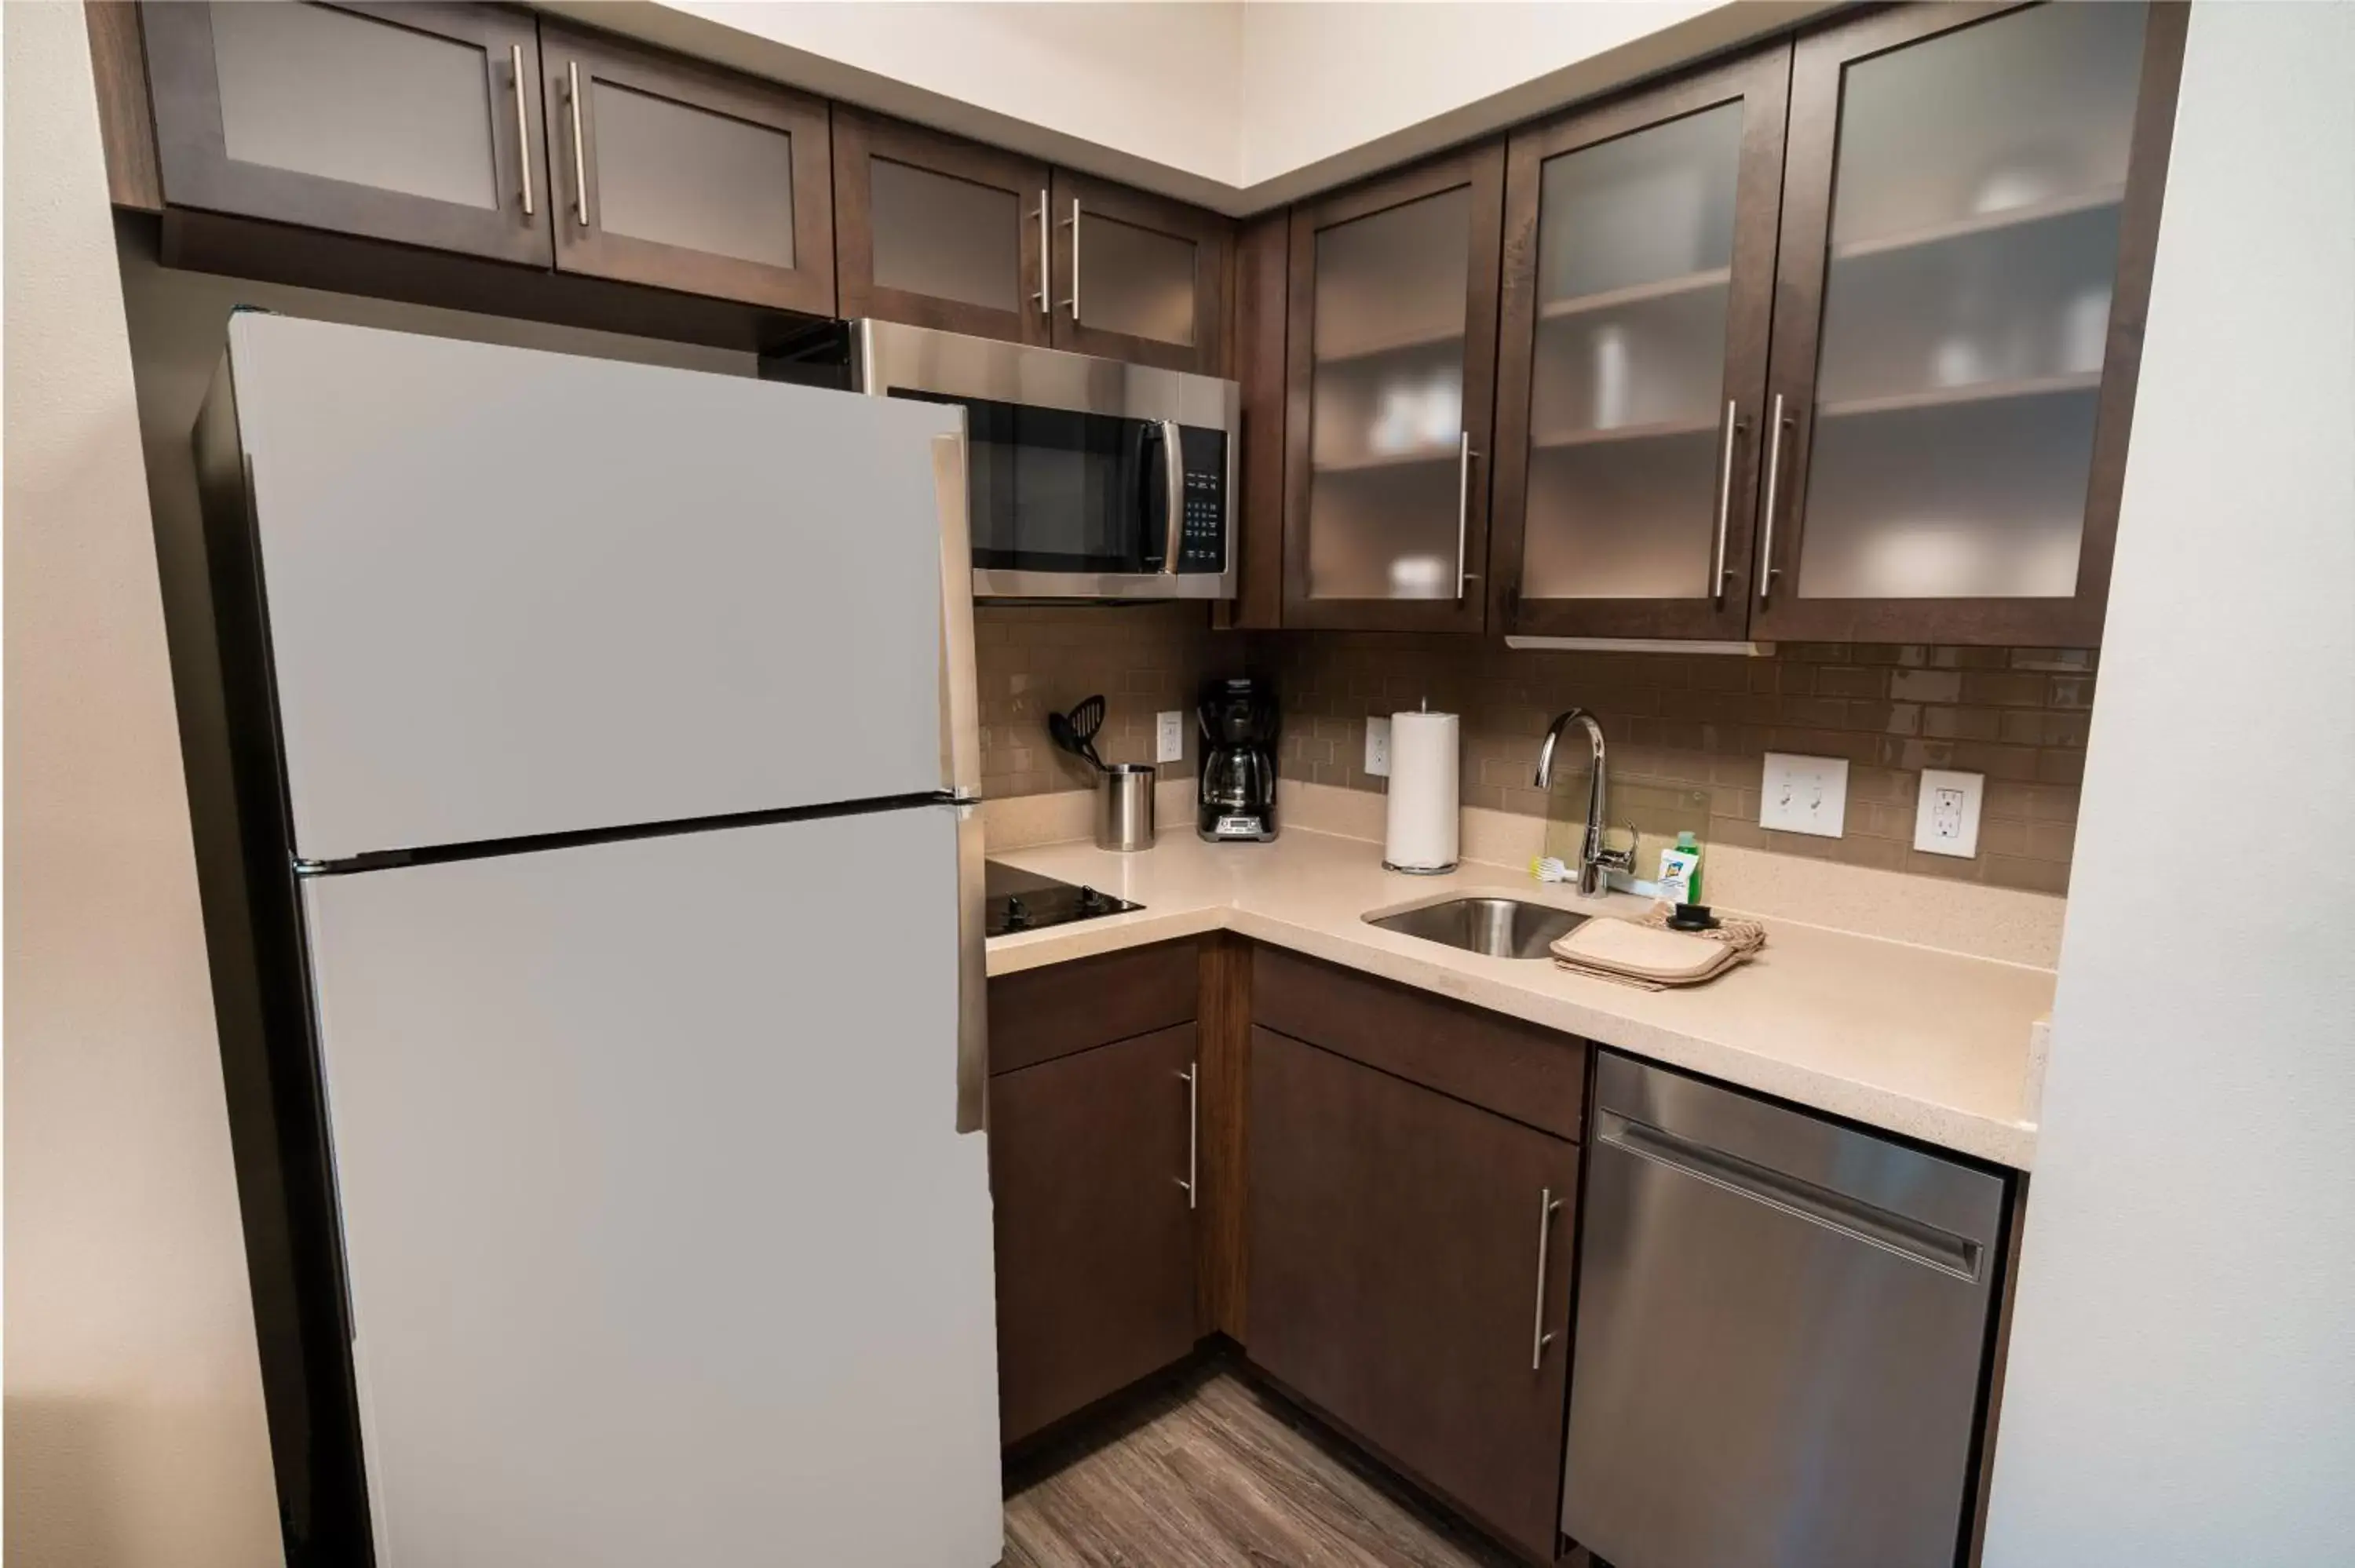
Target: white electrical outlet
<point>1947,821</point>
<point>1378,747</point>
<point>1169,737</point>
<point>1804,795</point>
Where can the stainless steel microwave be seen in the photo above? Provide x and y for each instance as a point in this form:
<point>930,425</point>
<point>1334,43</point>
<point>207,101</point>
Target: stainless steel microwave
<point>1088,478</point>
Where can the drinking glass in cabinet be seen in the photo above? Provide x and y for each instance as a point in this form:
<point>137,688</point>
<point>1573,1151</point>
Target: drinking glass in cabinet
<point>1627,372</point>
<point>1975,229</point>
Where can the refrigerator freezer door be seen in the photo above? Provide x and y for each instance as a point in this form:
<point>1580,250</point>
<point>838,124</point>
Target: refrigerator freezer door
<point>512,592</point>
<point>661,1247</point>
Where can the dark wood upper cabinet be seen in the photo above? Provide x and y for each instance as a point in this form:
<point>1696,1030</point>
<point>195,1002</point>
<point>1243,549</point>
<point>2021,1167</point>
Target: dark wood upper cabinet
<point>1968,217</point>
<point>686,176</point>
<point>1638,288</point>
<point>1138,276</point>
<point>1390,339</point>
<point>1409,1277</point>
<point>1090,1157</point>
<point>414,122</point>
<point>938,232</point>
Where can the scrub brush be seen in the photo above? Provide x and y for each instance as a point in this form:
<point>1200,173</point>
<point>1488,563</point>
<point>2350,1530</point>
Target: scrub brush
<point>1550,868</point>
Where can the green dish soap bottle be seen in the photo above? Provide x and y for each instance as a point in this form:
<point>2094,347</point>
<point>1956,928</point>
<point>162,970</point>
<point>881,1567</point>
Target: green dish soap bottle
<point>1680,870</point>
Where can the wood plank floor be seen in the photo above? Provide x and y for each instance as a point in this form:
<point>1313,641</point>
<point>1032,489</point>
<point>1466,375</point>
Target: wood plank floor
<point>1215,1473</point>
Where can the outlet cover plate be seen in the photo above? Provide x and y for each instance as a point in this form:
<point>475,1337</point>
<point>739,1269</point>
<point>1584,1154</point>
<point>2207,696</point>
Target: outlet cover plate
<point>1804,795</point>
<point>1169,737</point>
<point>1378,747</point>
<point>1947,820</point>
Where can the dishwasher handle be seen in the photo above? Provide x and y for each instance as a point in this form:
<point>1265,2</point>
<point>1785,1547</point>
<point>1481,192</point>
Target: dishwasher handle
<point>1892,1233</point>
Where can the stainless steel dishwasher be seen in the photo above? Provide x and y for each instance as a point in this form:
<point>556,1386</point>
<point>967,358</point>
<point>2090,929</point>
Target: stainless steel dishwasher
<point>1780,1328</point>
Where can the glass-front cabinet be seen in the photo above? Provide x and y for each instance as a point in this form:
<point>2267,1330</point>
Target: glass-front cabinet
<point>1638,283</point>
<point>1391,345</point>
<point>939,232</point>
<point>755,222</point>
<point>1967,235</point>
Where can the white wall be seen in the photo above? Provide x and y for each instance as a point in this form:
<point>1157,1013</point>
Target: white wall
<point>2182,1375</point>
<point>134,1424</point>
<point>1142,89</point>
<point>1320,79</point>
<point>1238,106</point>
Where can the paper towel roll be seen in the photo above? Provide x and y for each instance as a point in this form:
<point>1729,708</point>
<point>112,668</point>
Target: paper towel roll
<point>1424,776</point>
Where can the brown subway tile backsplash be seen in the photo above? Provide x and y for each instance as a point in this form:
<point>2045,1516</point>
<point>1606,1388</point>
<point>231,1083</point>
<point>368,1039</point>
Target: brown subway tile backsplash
<point>2017,715</point>
<point>1142,660</point>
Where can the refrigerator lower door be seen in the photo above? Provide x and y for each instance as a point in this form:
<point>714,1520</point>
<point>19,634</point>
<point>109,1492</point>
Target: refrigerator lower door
<point>511,593</point>
<point>1781,1323</point>
<point>661,1244</point>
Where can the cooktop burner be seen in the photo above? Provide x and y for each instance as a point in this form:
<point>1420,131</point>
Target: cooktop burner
<point>1025,900</point>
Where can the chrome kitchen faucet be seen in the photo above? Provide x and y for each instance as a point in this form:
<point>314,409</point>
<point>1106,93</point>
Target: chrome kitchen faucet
<point>1595,862</point>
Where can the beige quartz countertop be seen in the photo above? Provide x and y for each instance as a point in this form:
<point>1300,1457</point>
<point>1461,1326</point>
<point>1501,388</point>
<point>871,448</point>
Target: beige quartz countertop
<point>1931,1045</point>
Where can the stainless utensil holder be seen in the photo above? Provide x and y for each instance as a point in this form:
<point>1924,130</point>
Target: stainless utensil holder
<point>1125,807</point>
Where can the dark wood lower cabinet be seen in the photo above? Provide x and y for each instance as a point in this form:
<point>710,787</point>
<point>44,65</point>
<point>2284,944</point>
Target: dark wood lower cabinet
<point>1095,1238</point>
<point>1408,1277</point>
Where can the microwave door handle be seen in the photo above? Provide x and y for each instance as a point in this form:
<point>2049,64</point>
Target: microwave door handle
<point>1173,468</point>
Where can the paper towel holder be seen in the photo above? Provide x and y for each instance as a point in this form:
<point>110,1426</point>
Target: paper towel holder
<point>1453,838</point>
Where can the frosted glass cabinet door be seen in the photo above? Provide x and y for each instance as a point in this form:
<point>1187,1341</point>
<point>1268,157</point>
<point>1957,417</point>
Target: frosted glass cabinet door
<point>1638,292</point>
<point>417,124</point>
<point>1138,276</point>
<point>686,176</point>
<point>937,232</point>
<point>1392,349</point>
<point>1967,230</point>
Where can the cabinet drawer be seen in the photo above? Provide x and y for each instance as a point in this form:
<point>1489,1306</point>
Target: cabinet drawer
<point>1534,1074</point>
<point>1043,1013</point>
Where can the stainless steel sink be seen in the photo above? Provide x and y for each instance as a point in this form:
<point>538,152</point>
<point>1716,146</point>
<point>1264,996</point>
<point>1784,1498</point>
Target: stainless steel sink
<point>1500,927</point>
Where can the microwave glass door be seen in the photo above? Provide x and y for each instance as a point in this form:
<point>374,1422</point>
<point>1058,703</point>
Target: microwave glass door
<point>1056,491</point>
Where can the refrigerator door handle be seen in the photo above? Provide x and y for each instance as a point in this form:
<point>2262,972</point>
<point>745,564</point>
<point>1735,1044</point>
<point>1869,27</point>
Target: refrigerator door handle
<point>960,689</point>
<point>973,973</point>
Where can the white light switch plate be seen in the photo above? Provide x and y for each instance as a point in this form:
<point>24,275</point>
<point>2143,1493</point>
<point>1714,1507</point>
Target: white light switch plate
<point>1378,747</point>
<point>1804,795</point>
<point>1169,737</point>
<point>1947,821</point>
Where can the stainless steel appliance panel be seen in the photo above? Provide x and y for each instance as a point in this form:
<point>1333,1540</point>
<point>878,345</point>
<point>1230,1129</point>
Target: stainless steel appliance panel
<point>889,357</point>
<point>1780,1330</point>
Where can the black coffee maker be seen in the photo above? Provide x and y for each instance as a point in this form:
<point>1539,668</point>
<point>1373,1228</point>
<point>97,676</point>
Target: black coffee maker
<point>1237,800</point>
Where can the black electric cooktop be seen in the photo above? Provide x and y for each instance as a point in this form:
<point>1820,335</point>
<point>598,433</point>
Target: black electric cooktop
<point>1025,900</point>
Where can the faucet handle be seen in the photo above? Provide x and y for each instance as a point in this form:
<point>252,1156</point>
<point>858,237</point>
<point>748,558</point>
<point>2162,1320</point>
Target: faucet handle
<point>1620,859</point>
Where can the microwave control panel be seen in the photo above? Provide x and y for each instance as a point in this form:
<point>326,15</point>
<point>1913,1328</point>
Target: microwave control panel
<point>1202,535</point>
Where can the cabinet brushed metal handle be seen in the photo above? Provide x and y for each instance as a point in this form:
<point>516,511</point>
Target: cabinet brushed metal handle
<point>580,147</point>
<point>1775,425</point>
<point>523,125</point>
<point>1046,248</point>
<point>1073,222</point>
<point>1464,456</point>
<point>1724,499</point>
<point>1173,464</point>
<point>1548,1206</point>
<point>1190,1181</point>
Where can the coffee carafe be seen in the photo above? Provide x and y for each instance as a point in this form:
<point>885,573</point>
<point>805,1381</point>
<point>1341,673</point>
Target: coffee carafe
<point>1237,800</point>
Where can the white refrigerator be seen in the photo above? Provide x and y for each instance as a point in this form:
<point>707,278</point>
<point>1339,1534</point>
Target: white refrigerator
<point>594,893</point>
